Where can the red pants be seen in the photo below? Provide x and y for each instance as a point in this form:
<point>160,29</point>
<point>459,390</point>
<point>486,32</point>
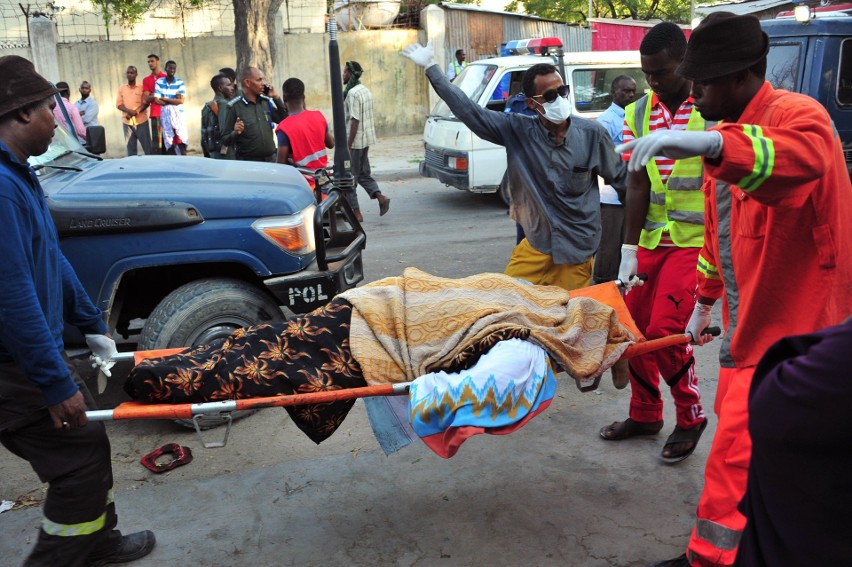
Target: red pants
<point>719,524</point>
<point>660,308</point>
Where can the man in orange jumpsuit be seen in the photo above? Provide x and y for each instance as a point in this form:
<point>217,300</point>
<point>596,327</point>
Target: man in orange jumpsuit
<point>777,246</point>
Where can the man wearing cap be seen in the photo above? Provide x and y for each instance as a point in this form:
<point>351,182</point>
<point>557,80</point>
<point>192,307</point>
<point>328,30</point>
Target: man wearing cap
<point>553,163</point>
<point>360,135</point>
<point>777,246</point>
<point>663,232</point>
<point>43,401</point>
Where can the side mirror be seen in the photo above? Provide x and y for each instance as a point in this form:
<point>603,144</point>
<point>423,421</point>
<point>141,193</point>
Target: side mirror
<point>96,140</point>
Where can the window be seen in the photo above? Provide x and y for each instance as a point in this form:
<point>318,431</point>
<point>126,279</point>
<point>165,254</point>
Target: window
<point>783,65</point>
<point>591,87</point>
<point>472,80</point>
<point>844,77</point>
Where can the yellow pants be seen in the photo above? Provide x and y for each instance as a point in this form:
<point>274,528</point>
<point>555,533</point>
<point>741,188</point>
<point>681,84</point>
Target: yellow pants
<point>529,264</point>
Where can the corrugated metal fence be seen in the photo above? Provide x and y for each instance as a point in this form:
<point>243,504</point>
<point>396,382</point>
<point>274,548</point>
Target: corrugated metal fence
<point>481,33</point>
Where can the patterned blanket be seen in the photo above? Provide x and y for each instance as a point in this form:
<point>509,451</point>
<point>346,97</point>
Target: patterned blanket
<point>401,328</point>
<point>407,326</point>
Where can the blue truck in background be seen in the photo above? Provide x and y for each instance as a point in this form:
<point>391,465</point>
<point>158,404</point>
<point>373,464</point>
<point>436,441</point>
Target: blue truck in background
<point>814,57</point>
<point>182,251</point>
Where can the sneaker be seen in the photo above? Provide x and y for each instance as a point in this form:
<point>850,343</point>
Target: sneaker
<point>130,548</point>
<point>681,561</point>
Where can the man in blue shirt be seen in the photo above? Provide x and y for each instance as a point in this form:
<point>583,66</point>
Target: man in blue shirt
<point>43,402</point>
<point>608,256</point>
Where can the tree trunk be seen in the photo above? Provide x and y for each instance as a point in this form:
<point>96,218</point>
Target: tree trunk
<point>254,34</point>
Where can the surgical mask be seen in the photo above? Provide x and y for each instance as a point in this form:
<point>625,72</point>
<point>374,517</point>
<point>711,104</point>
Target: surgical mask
<point>557,111</point>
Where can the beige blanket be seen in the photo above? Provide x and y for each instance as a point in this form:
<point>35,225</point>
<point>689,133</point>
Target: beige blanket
<point>406,326</point>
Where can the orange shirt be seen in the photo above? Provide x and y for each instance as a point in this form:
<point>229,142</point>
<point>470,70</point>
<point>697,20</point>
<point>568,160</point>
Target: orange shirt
<point>778,225</point>
<point>131,98</point>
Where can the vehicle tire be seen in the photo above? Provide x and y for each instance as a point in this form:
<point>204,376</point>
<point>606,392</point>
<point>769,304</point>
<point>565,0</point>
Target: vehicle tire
<point>503,191</point>
<point>207,312</point>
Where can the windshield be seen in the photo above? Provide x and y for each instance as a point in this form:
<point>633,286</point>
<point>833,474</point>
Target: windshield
<point>472,80</point>
<point>62,143</point>
<point>782,65</point>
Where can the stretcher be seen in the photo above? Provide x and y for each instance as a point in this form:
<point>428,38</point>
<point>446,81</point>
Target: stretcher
<point>222,410</point>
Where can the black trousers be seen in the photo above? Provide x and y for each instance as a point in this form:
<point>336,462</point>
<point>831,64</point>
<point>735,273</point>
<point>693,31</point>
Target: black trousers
<point>360,163</point>
<point>79,515</point>
<point>608,258</point>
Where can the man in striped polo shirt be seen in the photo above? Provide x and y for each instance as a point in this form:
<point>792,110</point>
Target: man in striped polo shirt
<point>170,93</point>
<point>663,232</point>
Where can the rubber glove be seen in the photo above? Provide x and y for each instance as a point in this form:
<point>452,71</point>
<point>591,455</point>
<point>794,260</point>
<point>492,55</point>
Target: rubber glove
<point>673,144</point>
<point>628,268</point>
<point>422,56</point>
<point>699,321</point>
<point>103,349</point>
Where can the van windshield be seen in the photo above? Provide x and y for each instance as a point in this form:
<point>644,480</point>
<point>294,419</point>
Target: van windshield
<point>472,80</point>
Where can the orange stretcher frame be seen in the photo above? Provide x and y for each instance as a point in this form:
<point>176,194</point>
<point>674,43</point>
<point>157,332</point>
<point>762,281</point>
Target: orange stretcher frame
<point>607,293</point>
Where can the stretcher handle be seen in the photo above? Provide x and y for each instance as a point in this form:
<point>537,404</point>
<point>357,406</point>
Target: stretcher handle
<point>642,277</point>
<point>644,347</point>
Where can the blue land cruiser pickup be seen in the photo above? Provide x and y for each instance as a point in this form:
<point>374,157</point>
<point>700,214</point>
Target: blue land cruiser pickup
<point>184,250</point>
<point>815,58</point>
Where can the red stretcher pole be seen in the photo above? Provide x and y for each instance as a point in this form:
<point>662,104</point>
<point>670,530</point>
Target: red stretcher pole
<point>137,410</point>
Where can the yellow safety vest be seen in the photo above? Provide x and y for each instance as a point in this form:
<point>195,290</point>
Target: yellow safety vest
<point>676,206</point>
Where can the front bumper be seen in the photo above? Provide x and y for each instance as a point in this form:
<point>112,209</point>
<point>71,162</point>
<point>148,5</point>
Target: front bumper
<point>338,265</point>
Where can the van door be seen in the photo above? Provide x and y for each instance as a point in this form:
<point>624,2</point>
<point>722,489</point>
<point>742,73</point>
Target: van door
<point>487,161</point>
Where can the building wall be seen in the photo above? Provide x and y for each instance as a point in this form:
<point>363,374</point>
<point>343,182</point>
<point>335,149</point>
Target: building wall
<point>399,91</point>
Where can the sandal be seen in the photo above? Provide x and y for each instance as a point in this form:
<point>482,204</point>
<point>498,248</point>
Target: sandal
<point>618,430</point>
<point>682,436</point>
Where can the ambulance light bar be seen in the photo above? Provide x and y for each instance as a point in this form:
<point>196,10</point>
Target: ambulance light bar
<point>533,46</point>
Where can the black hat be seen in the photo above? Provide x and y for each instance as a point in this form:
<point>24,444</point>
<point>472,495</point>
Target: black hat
<point>723,43</point>
<point>21,84</point>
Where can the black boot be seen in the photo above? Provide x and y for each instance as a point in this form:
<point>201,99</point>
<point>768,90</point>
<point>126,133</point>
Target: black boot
<point>130,548</point>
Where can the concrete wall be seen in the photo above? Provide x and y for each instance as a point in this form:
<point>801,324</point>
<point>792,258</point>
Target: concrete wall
<point>400,89</point>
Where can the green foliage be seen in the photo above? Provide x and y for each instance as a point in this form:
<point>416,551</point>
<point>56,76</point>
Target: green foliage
<point>576,11</point>
<point>129,12</point>
<point>126,12</point>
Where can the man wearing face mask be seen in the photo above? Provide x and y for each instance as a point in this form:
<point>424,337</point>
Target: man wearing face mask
<point>553,162</point>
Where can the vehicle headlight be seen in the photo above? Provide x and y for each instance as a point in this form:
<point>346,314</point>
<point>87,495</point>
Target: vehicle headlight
<point>293,233</point>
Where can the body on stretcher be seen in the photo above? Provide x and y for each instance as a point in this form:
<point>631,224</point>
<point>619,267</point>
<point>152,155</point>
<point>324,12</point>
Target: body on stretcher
<point>604,293</point>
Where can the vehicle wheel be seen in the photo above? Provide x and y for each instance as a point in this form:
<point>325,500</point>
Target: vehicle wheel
<point>207,312</point>
<point>503,191</point>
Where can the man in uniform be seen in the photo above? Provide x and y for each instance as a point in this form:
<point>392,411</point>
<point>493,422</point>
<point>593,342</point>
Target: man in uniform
<point>43,402</point>
<point>249,119</point>
<point>777,243</point>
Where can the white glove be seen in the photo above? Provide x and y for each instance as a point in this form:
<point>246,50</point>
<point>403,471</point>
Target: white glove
<point>699,321</point>
<point>628,268</point>
<point>673,144</point>
<point>422,56</point>
<point>103,349</point>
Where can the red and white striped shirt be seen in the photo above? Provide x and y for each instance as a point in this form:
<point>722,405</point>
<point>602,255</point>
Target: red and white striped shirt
<point>661,119</point>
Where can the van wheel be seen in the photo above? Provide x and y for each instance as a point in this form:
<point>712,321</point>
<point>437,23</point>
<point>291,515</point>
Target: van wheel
<point>207,312</point>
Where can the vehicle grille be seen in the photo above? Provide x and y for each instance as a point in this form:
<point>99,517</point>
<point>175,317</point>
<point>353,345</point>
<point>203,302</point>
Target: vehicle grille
<point>848,155</point>
<point>435,158</point>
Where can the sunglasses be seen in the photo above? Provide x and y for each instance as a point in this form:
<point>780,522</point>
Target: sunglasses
<point>551,95</point>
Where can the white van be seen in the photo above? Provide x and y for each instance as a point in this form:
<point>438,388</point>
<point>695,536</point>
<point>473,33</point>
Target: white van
<point>457,157</point>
